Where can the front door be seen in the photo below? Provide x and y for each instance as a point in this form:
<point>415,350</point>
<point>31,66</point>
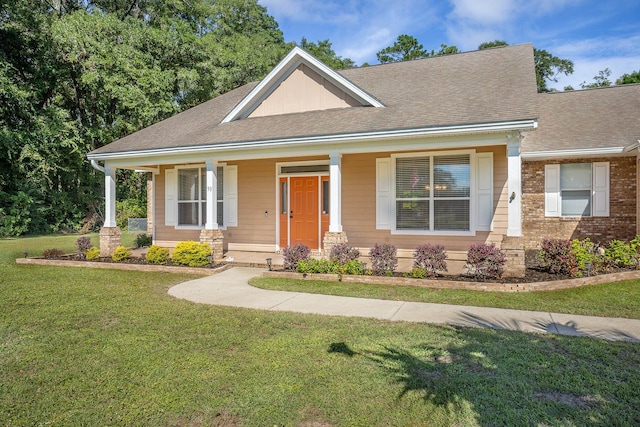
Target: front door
<point>304,214</point>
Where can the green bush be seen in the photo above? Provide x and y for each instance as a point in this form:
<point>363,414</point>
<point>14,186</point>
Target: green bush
<point>93,254</point>
<point>192,254</point>
<point>622,254</point>
<point>157,255</point>
<point>120,254</point>
<point>143,240</point>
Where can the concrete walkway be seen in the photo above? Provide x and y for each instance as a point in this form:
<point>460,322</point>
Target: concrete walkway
<point>231,288</point>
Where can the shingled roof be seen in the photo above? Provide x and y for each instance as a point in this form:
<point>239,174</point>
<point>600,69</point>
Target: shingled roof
<point>604,118</point>
<point>487,86</point>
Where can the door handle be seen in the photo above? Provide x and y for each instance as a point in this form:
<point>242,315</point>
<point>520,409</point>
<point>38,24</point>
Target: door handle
<point>291,216</point>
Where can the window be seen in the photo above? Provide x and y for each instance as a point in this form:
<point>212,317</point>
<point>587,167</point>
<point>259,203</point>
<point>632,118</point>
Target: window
<point>433,193</point>
<point>192,196</point>
<point>577,189</point>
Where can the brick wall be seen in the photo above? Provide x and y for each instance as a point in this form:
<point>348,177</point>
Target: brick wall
<point>621,223</point>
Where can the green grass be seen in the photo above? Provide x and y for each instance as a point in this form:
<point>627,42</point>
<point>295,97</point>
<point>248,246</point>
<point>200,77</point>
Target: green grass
<point>610,300</point>
<point>104,347</point>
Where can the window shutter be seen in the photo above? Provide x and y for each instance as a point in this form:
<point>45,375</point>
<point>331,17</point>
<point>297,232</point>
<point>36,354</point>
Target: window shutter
<point>552,190</point>
<point>600,189</point>
<point>170,197</point>
<point>231,196</point>
<point>383,194</point>
<point>484,192</point>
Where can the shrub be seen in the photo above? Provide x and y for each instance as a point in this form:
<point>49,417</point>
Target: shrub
<point>143,240</point>
<point>192,254</point>
<point>352,267</point>
<point>384,260</point>
<point>293,255</point>
<point>487,257</point>
<point>418,273</point>
<point>343,253</point>
<point>83,244</point>
<point>430,258</point>
<point>157,255</point>
<point>622,254</point>
<point>312,265</point>
<point>93,254</point>
<point>120,254</point>
<point>52,253</point>
<point>556,256</point>
<point>585,251</point>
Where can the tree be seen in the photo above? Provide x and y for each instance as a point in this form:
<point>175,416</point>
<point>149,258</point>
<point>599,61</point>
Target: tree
<point>77,74</point>
<point>626,79</point>
<point>323,51</point>
<point>405,48</point>
<point>601,80</point>
<point>548,66</point>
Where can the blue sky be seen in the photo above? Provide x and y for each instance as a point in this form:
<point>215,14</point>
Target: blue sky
<point>594,34</point>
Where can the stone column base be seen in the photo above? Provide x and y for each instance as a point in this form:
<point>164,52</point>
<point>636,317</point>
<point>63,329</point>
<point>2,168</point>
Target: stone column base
<point>332,238</point>
<point>513,248</point>
<point>215,239</point>
<point>110,239</point>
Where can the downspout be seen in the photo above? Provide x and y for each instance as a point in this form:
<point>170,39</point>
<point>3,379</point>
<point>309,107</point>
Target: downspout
<point>96,166</point>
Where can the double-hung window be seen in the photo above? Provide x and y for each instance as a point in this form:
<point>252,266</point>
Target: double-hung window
<point>577,189</point>
<point>433,193</point>
<point>186,196</point>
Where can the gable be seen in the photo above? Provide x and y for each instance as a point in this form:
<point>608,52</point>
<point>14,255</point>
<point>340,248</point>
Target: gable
<point>300,70</point>
<point>304,90</point>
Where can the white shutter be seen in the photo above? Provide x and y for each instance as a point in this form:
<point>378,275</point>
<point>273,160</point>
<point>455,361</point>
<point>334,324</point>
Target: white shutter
<point>383,194</point>
<point>231,196</point>
<point>552,190</point>
<point>484,191</point>
<point>170,197</point>
<point>600,187</point>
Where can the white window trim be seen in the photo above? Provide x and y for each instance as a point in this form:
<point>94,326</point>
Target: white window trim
<point>553,192</point>
<point>472,195</point>
<point>177,201</point>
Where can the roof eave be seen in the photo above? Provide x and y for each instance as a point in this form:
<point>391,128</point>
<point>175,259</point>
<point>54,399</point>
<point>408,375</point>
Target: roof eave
<point>508,126</point>
<point>581,153</point>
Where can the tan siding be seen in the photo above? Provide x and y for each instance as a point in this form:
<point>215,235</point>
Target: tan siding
<point>303,90</point>
<point>359,207</point>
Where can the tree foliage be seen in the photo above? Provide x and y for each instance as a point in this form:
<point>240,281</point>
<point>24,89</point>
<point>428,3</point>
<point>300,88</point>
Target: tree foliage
<point>548,66</point>
<point>407,48</point>
<point>78,74</point>
<point>601,80</point>
<point>630,78</point>
<point>325,53</point>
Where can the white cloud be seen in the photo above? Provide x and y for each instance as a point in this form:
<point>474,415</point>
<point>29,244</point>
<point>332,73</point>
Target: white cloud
<point>486,12</point>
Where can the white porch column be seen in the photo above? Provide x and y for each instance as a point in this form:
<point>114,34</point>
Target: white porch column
<point>335,193</point>
<point>514,185</point>
<point>109,196</point>
<point>212,195</point>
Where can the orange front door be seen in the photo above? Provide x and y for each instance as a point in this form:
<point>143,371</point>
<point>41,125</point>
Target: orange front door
<point>304,214</point>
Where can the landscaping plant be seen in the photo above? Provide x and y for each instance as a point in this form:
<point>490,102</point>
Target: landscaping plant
<point>622,254</point>
<point>121,254</point>
<point>192,254</point>
<point>556,256</point>
<point>343,253</point>
<point>52,253</point>
<point>143,240</point>
<point>431,259</point>
<point>487,257</point>
<point>83,244</point>
<point>384,259</point>
<point>293,255</point>
<point>93,254</point>
<point>157,255</point>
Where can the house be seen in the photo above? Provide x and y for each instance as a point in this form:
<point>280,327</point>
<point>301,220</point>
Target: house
<point>453,150</point>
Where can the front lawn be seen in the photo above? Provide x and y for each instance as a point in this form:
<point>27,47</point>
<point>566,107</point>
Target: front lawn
<point>104,347</point>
